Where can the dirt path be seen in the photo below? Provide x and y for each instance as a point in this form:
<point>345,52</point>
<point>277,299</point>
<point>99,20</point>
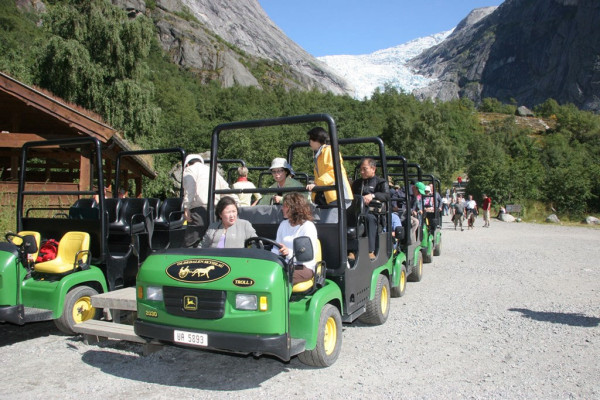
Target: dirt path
<point>507,312</point>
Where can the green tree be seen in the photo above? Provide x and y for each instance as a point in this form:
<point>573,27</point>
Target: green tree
<point>489,170</point>
<point>96,57</point>
<point>568,184</point>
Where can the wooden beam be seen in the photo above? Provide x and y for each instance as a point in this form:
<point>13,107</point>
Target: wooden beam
<point>17,140</point>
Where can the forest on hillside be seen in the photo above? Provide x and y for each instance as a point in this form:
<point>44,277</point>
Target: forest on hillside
<point>92,54</point>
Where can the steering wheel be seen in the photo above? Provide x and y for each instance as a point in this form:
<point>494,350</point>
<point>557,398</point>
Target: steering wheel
<point>258,240</point>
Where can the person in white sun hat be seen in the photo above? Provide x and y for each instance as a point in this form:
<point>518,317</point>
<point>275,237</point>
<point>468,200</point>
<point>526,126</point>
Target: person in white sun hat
<point>283,175</point>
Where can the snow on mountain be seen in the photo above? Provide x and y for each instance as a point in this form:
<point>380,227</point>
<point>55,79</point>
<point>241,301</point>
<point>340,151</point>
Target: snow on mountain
<point>367,72</point>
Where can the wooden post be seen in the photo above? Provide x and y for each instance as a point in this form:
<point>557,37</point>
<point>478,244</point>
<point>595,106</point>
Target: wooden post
<point>108,174</point>
<point>138,187</point>
<point>84,172</point>
<point>14,168</point>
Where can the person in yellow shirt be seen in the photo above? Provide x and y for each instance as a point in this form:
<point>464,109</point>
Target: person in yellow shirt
<point>318,139</point>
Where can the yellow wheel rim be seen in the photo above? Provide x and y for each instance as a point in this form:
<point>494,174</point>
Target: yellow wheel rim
<point>402,280</point>
<point>420,265</point>
<point>330,338</point>
<point>83,310</point>
<point>384,300</point>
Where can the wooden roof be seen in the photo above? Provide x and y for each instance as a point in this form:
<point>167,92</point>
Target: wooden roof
<point>29,114</point>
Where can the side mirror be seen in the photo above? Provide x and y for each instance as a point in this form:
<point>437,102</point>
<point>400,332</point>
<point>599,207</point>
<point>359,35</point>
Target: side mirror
<point>399,233</point>
<point>303,249</point>
<point>29,244</point>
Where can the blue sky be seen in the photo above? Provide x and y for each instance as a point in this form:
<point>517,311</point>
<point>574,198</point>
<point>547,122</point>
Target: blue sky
<point>332,27</point>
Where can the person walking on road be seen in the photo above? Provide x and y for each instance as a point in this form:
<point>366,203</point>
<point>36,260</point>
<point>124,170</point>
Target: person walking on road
<point>459,213</point>
<point>486,206</point>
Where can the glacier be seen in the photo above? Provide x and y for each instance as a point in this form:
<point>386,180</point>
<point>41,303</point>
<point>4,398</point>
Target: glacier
<point>367,72</point>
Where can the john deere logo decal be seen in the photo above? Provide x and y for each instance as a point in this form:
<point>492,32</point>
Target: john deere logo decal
<point>243,282</point>
<point>198,270</point>
<point>190,303</point>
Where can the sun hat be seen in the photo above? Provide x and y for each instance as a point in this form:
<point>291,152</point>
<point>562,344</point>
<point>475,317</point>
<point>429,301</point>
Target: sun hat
<point>427,189</point>
<point>281,162</point>
<point>421,187</point>
<point>191,157</point>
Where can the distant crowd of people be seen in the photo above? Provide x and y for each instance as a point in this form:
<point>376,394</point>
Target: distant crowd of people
<point>461,209</point>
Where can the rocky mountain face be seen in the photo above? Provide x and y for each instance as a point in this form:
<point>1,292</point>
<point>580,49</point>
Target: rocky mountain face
<point>234,42</point>
<point>527,50</point>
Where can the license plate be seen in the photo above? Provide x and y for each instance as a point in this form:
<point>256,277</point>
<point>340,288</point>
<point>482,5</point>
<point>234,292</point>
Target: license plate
<point>193,338</point>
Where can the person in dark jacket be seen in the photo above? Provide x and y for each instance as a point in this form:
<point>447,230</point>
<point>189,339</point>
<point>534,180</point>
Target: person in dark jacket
<point>370,187</point>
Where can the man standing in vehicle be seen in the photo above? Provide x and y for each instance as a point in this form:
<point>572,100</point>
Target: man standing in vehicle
<point>370,187</point>
<point>195,199</point>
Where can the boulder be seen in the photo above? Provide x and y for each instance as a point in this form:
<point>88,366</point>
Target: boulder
<point>523,111</point>
<point>552,218</point>
<point>592,220</point>
<point>506,217</point>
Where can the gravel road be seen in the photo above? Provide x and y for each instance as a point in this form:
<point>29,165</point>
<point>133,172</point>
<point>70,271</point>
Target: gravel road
<point>508,312</point>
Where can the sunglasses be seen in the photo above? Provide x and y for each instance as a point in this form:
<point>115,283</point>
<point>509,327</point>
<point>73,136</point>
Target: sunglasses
<point>278,171</point>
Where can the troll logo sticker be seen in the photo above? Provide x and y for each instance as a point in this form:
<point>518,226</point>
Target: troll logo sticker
<point>198,270</point>
<point>243,282</point>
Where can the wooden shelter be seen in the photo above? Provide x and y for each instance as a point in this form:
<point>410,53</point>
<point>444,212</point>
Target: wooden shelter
<point>28,114</point>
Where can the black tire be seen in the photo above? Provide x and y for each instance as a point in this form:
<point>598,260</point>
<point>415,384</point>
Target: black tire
<point>77,308</point>
<point>378,309</point>
<point>329,340</point>
<point>417,272</point>
<point>437,250</point>
<point>427,258</point>
<point>398,291</point>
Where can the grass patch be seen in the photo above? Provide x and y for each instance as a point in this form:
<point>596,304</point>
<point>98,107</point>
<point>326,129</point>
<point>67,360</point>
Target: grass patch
<point>537,212</point>
<point>8,213</point>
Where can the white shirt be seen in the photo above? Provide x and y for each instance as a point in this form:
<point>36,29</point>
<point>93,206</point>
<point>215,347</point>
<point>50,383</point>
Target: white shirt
<point>287,233</point>
<point>195,185</point>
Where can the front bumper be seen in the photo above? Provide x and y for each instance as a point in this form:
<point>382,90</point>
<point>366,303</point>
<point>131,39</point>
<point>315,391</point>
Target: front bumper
<point>276,345</point>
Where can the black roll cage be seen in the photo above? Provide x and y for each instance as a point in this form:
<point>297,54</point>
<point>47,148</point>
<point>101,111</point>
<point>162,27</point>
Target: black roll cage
<point>96,148</point>
<point>293,120</point>
<point>131,153</point>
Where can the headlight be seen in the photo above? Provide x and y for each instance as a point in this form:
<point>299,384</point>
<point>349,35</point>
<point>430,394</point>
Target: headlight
<point>245,302</point>
<point>154,293</point>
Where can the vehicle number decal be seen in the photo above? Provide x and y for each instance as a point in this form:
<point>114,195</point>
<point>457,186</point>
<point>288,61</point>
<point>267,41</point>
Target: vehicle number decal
<point>192,338</point>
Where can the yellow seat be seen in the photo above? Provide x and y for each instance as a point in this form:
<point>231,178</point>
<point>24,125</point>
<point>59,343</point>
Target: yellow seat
<point>73,250</point>
<point>301,287</point>
<point>36,235</point>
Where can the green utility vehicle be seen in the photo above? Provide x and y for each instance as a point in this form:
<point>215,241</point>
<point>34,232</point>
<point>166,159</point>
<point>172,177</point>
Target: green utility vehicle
<point>242,300</point>
<point>423,235</point>
<point>102,241</point>
<point>430,220</point>
<point>409,249</point>
<point>434,218</point>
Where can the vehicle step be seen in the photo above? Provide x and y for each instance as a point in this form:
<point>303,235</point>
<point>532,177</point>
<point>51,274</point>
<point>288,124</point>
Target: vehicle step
<point>122,299</point>
<point>37,314</point>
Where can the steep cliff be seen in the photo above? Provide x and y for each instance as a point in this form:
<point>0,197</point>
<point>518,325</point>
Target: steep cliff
<point>527,50</point>
<point>234,42</point>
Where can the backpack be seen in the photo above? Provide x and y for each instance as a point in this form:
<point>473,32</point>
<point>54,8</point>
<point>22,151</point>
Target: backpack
<point>48,251</point>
